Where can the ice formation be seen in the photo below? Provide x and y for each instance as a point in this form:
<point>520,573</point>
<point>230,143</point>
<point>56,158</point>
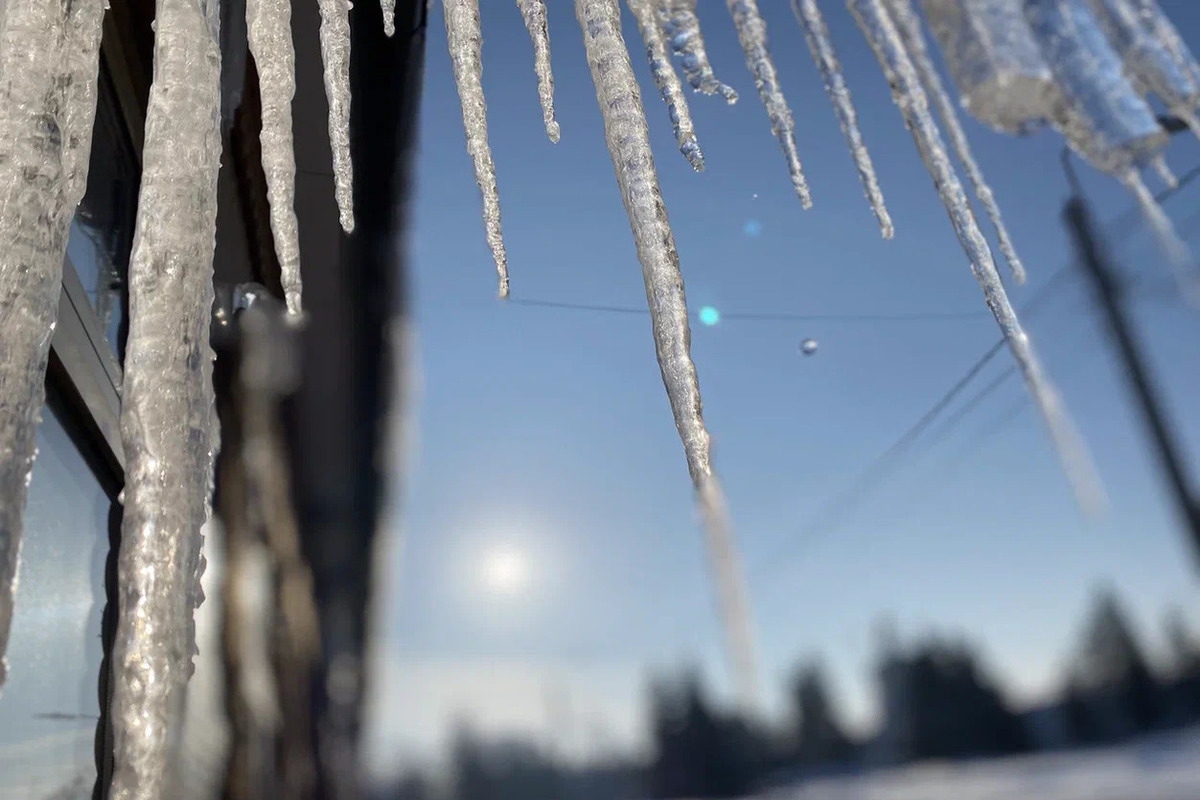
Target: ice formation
<point>808,14</point>
<point>668,83</point>
<point>1148,61</point>
<point>269,32</point>
<point>47,106</point>
<point>682,28</point>
<point>752,33</point>
<point>388,7</point>
<point>534,14</point>
<point>905,18</point>
<point>335,56</point>
<point>168,422</point>
<point>629,145</point>
<point>1100,114</point>
<point>466,45</point>
<point>885,40</point>
<point>1002,78</point>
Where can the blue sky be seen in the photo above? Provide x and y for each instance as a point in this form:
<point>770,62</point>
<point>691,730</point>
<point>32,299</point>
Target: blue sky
<point>547,432</point>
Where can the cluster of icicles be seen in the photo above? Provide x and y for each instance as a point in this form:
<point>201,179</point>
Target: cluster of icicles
<point>1083,66</point>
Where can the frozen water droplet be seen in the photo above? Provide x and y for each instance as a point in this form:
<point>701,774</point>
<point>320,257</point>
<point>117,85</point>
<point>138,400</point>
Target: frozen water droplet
<point>709,316</point>
<point>752,228</point>
<point>154,25</point>
<point>808,346</point>
<point>121,497</point>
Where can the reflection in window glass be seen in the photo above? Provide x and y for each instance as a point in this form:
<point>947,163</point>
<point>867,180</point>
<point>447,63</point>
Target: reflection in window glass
<point>49,705</point>
<point>102,232</point>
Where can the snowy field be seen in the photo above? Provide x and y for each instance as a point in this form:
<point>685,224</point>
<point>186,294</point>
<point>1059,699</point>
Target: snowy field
<point>1159,768</point>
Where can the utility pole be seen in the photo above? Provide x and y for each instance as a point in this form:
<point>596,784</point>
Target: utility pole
<point>1110,296</point>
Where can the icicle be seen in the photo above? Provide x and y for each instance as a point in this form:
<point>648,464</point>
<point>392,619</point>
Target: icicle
<point>1177,252</point>
<point>534,14</point>
<point>1164,31</point>
<point>629,145</point>
<point>1164,172</point>
<point>168,423</point>
<point>1148,61</point>
<point>47,106</point>
<point>888,46</point>
<point>269,32</point>
<point>905,18</point>
<point>388,7</point>
<point>808,14</point>
<point>682,28</point>
<point>335,56</point>
<point>667,81</point>
<point>1101,115</point>
<point>466,46</point>
<point>1099,112</point>
<point>752,33</point>
<point>997,65</point>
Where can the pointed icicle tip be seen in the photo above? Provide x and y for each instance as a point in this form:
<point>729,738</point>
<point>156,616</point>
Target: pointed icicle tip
<point>533,12</point>
<point>389,17</point>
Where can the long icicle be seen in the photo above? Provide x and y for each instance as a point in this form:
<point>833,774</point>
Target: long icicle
<point>47,106</point>
<point>909,26</point>
<point>885,41</point>
<point>335,58</point>
<point>269,32</point>
<point>168,423</point>
<point>466,53</point>
<point>682,28</point>
<point>629,145</point>
<point>668,83</point>
<point>534,14</point>
<point>820,44</point>
<point>752,33</point>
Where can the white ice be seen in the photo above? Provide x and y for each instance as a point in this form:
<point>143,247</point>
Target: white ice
<point>466,53</point>
<point>335,56</point>
<point>47,106</point>
<point>909,26</point>
<point>269,32</point>
<point>752,33</point>
<point>668,83</point>
<point>682,28</point>
<point>885,40</point>
<point>629,146</point>
<point>168,423</point>
<point>534,14</point>
<point>820,44</point>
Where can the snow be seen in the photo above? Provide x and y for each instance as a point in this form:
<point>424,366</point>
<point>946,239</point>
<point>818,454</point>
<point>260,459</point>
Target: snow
<point>534,14</point>
<point>1165,767</point>
<point>47,106</point>
<point>752,33</point>
<point>269,32</point>
<point>808,14</point>
<point>167,420</point>
<point>466,44</point>
<point>905,17</point>
<point>335,57</point>
<point>668,83</point>
<point>886,42</point>
<point>682,29</point>
<point>628,141</point>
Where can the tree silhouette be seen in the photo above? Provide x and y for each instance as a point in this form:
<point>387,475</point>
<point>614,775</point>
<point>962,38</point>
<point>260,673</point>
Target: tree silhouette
<point>819,737</point>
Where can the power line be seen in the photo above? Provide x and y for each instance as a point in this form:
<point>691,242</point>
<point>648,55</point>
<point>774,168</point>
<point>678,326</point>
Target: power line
<point>761,316</point>
<point>825,520</point>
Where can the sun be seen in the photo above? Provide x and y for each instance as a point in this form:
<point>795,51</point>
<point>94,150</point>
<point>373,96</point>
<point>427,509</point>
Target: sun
<point>506,571</point>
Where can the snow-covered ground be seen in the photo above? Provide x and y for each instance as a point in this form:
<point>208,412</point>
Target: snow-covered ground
<point>1163,767</point>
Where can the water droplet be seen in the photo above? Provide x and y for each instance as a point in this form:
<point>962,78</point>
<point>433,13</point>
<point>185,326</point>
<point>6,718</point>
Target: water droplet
<point>709,316</point>
<point>752,228</point>
<point>808,346</point>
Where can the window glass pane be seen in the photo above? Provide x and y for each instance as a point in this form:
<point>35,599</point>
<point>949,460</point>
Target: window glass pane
<point>102,231</point>
<point>49,705</point>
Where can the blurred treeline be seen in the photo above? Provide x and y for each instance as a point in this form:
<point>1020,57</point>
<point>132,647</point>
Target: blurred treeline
<point>937,701</point>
